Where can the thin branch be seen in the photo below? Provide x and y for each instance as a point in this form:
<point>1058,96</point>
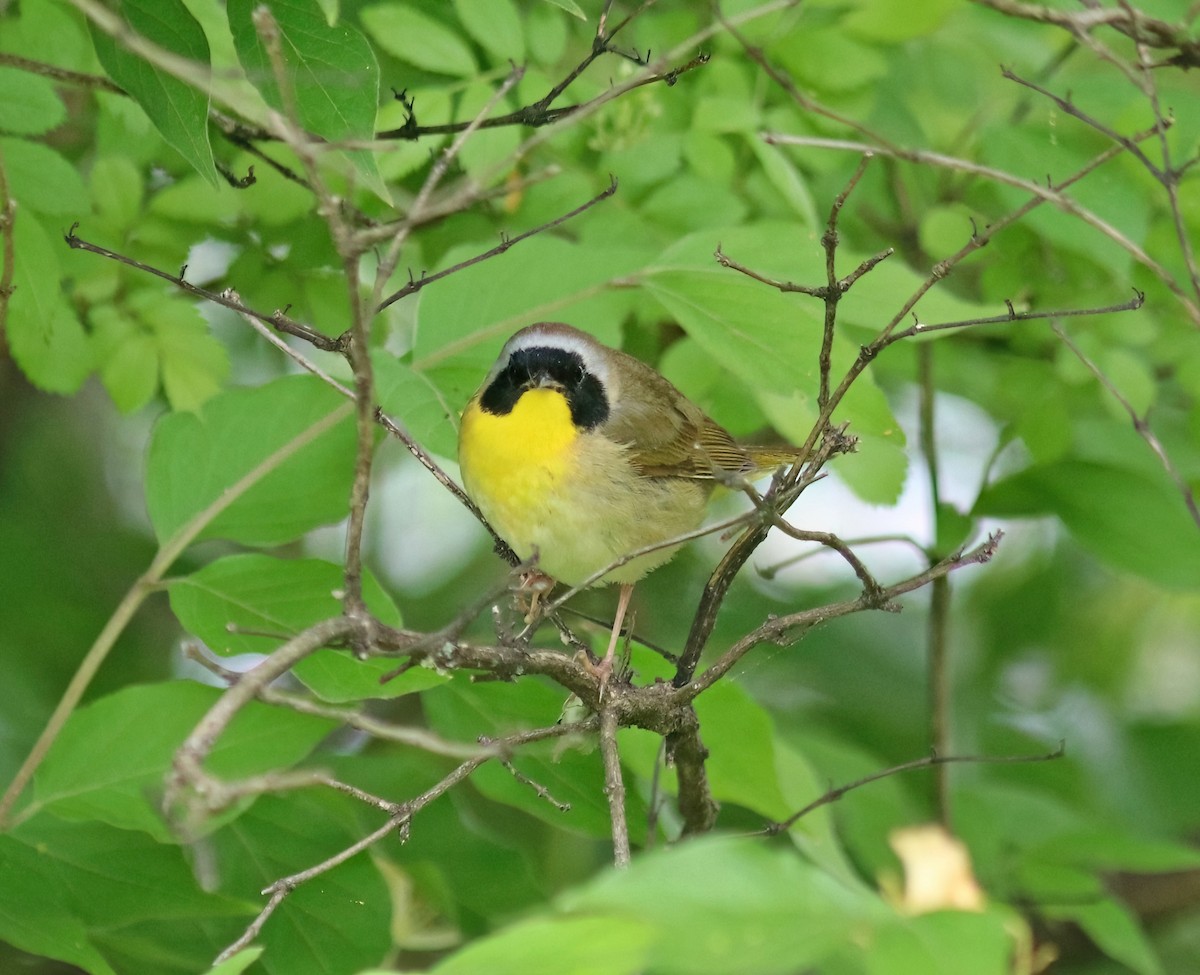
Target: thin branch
<point>399,819</point>
<point>834,289</point>
<point>614,787</point>
<point>387,263</point>
<point>80,78</point>
<point>1127,19</point>
<point>921,328</point>
<point>542,112</point>
<point>934,760</point>
<point>226,299</point>
<point>785,630</point>
<point>539,790</point>
<point>420,738</point>
<point>191,790</point>
<point>778,498</point>
<point>770,571</point>
<point>506,242</point>
<point>1041,194</point>
<point>297,357</point>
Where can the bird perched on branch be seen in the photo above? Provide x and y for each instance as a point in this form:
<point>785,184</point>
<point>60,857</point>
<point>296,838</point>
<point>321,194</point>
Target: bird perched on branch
<point>579,455</point>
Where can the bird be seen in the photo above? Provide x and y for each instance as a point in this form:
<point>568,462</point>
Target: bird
<point>579,454</point>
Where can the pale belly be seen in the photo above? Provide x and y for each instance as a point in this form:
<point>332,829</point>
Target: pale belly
<point>581,517</point>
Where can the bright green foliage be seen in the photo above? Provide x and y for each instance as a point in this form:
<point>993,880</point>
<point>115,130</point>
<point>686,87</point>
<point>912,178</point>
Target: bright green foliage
<point>326,75</point>
<point>166,478</point>
<point>234,470</point>
<point>176,106</point>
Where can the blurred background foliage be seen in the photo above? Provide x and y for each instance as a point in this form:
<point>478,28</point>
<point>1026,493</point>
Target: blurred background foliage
<point>126,401</point>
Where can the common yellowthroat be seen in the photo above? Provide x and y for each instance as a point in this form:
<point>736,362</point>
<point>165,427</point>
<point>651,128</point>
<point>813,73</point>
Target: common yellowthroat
<point>582,454</point>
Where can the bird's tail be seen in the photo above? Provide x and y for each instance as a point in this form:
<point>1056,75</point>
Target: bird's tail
<point>763,460</point>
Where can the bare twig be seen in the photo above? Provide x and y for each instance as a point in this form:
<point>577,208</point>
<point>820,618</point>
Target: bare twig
<point>785,630</point>
<point>98,82</point>
<point>539,790</point>
<point>614,787</point>
<point>770,571</point>
<point>193,791</point>
<point>413,737</point>
<point>1040,194</point>
<point>401,232</point>
<point>415,285</point>
<point>1125,18</point>
<point>929,761</point>
<point>542,112</point>
<point>399,819</point>
<point>226,299</point>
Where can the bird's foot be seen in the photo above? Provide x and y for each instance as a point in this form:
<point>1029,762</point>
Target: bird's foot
<point>601,670</point>
<point>534,584</point>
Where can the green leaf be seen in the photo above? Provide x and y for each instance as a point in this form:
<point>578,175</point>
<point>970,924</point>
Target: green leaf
<point>118,877</point>
<point>571,775</point>
<point>44,335</point>
<point>1133,521</point>
<point>418,402</point>
<point>731,906</point>
<point>593,945</point>
<point>42,180</point>
<point>763,337</point>
<point>263,465</point>
<point>786,178</point>
<point>893,21</point>
<point>178,110</point>
<point>739,736</point>
<point>828,61</point>
<point>112,757</point>
<point>488,154</point>
<point>29,105</point>
<point>495,25</point>
<point>154,334</point>
<point>193,363</point>
<point>953,528</point>
<point>331,72</point>
<point>1115,930</point>
<point>116,188</point>
<point>941,943</point>
<point>467,318</point>
<point>570,6</point>
<point>38,917</point>
<point>418,39</point>
<point>877,470</point>
<point>128,359</point>
<point>238,963</point>
<point>338,923</point>
<point>248,603</point>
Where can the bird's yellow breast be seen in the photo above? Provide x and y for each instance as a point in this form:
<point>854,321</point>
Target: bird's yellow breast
<point>568,496</point>
<point>513,461</point>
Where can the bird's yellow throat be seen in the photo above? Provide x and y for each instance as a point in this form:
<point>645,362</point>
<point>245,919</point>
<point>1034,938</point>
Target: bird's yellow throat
<point>515,453</point>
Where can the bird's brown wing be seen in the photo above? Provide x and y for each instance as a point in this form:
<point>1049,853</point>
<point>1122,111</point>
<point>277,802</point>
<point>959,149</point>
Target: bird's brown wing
<point>667,434</point>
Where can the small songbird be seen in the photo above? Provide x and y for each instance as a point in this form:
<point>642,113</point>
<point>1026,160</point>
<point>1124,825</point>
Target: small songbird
<point>579,454</point>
